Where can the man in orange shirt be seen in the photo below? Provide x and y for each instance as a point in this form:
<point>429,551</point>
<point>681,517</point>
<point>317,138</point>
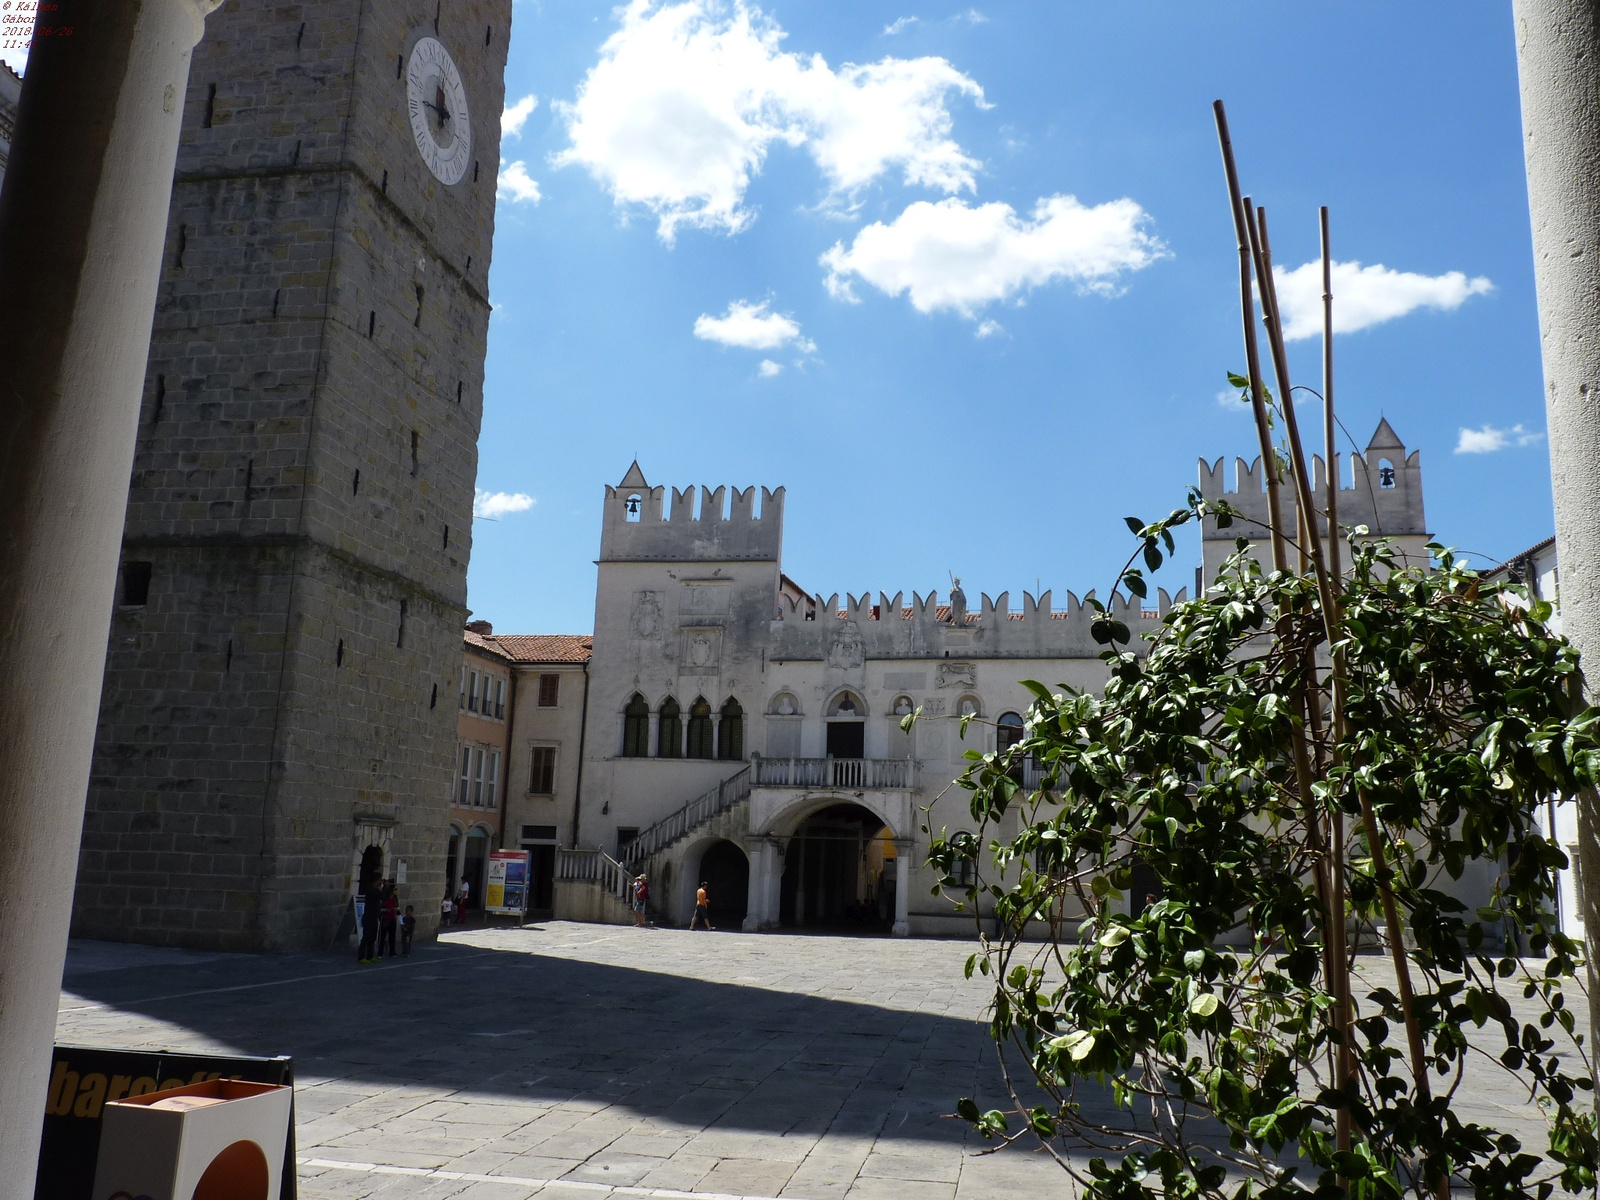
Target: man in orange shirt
<point>702,908</point>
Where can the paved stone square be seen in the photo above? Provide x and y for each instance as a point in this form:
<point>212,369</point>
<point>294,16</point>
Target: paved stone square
<point>585,1060</point>
<point>567,1060</point>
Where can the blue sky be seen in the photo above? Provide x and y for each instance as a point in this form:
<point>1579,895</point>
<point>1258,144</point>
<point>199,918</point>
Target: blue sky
<point>986,258</point>
<point>999,438</point>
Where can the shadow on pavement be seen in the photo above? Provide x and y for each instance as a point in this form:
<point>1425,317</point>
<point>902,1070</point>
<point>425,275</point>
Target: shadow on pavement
<point>548,1029</point>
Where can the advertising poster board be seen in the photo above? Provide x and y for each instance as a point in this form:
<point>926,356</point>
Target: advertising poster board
<point>83,1078</point>
<point>507,888</point>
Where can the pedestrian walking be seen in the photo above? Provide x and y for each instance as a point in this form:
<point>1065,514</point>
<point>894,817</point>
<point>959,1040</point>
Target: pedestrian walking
<point>702,908</point>
<point>463,894</point>
<point>408,927</point>
<point>388,920</point>
<point>371,907</point>
<point>641,897</point>
<point>447,909</point>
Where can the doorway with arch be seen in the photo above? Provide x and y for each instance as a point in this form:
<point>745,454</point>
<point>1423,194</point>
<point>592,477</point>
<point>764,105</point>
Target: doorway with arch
<point>726,873</point>
<point>839,872</point>
<point>847,727</point>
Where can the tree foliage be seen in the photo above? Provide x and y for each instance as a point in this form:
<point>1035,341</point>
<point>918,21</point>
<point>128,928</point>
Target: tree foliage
<point>1218,1043</point>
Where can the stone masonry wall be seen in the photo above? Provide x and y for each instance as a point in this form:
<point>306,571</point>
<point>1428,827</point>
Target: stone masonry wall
<point>264,701</point>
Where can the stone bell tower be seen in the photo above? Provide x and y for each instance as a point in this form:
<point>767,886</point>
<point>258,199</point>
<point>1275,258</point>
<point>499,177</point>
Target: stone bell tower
<point>280,684</point>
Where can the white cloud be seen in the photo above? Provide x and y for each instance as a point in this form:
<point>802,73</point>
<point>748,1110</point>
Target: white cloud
<point>1489,439</point>
<point>768,368</point>
<point>989,329</point>
<point>498,504</point>
<point>900,25</point>
<point>683,105</point>
<point>515,184</point>
<point>972,17</point>
<point>516,116</point>
<point>953,256</point>
<point>752,327</point>
<point>1365,296</point>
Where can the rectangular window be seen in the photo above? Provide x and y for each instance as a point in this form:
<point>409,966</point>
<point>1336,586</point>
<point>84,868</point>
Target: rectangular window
<point>136,584</point>
<point>491,781</point>
<point>466,777</point>
<point>477,777</point>
<point>549,690</point>
<point>472,693</point>
<point>538,833</point>
<point>500,699</point>
<point>463,685</point>
<point>542,774</point>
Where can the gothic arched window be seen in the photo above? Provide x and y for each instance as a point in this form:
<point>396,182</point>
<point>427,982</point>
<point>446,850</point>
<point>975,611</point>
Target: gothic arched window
<point>636,728</point>
<point>669,741</point>
<point>730,731</point>
<point>1008,731</point>
<point>701,742</point>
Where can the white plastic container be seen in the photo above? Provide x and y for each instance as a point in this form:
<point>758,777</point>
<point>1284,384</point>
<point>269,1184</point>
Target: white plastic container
<point>218,1140</point>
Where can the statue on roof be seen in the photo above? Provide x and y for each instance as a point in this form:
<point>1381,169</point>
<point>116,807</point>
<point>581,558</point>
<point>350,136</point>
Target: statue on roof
<point>958,603</point>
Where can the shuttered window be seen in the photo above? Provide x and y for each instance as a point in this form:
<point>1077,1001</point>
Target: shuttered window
<point>542,773</point>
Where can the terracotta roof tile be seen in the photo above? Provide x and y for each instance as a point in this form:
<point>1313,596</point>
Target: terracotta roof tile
<point>484,645</point>
<point>542,647</point>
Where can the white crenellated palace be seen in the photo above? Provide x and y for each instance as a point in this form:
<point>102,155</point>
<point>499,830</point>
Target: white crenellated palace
<point>744,733</point>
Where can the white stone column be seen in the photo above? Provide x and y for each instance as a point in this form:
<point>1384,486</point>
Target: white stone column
<point>902,888</point>
<point>1558,62</point>
<point>756,893</point>
<point>83,219</point>
<point>774,911</point>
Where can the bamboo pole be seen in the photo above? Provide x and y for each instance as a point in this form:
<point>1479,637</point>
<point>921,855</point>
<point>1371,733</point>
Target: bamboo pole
<point>1391,910</point>
<point>1330,446</point>
<point>1304,514</point>
<point>1341,981</point>
<point>1252,357</point>
<point>1306,518</point>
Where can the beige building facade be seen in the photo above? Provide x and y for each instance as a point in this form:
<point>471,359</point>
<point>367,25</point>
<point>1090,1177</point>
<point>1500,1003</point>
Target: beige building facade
<point>485,700</point>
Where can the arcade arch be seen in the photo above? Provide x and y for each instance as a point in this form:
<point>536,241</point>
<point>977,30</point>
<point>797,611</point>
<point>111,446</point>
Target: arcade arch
<point>839,871</point>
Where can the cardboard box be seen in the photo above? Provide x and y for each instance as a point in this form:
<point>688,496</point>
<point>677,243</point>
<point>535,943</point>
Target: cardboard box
<point>218,1140</point>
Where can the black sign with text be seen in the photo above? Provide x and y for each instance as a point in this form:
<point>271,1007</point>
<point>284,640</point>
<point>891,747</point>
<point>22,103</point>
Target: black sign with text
<point>84,1078</point>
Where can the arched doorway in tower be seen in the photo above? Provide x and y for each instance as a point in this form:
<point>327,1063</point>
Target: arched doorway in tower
<point>838,872</point>
<point>371,869</point>
<point>726,872</point>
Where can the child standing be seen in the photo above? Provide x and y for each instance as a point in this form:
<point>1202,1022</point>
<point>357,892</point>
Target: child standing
<point>388,919</point>
<point>408,926</point>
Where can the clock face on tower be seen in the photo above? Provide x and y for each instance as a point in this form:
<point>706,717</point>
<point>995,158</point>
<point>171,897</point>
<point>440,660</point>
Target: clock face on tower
<point>438,108</point>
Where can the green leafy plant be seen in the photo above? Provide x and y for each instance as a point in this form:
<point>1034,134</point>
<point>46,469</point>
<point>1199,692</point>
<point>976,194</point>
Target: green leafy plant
<point>1300,767</point>
<point>1222,998</point>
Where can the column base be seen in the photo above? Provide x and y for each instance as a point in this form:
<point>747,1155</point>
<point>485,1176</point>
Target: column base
<point>901,929</point>
<point>751,924</point>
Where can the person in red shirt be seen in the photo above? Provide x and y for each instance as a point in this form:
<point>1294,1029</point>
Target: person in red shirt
<point>641,897</point>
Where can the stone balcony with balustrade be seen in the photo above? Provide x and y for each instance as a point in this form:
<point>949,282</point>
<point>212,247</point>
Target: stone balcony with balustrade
<point>850,774</point>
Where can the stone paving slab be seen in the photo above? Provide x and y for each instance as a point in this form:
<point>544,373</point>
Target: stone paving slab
<point>598,1063</point>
